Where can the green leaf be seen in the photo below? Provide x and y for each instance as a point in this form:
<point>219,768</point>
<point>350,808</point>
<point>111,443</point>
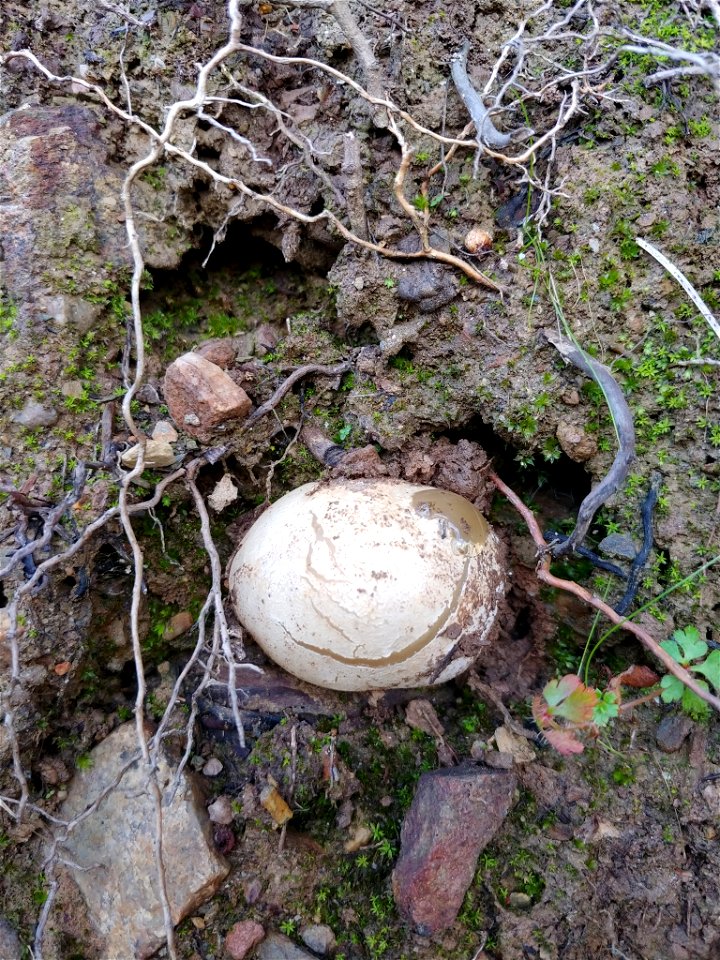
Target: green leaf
<point>558,690</point>
<point>692,704</point>
<point>672,688</point>
<point>685,645</point>
<point>710,668</point>
<point>606,709</point>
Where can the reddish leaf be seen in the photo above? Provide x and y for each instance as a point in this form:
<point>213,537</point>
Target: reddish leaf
<point>564,741</point>
<point>540,713</point>
<point>571,699</point>
<point>579,706</point>
<point>558,690</point>
<point>62,668</point>
<point>636,676</point>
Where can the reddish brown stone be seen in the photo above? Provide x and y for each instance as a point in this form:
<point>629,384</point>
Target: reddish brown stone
<point>577,444</point>
<point>200,395</point>
<point>242,938</point>
<point>220,352</point>
<point>454,815</point>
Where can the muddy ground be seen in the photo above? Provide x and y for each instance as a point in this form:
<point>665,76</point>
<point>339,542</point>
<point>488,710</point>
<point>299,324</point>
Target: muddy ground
<point>612,853</point>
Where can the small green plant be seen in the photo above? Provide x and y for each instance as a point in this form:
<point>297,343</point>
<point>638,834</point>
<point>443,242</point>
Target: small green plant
<point>688,649</point>
<point>84,762</point>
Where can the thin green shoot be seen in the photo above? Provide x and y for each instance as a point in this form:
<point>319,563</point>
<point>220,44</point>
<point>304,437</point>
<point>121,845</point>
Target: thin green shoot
<point>676,586</point>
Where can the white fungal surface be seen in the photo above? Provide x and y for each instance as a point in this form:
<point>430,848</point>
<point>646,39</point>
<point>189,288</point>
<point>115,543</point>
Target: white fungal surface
<point>366,584</point>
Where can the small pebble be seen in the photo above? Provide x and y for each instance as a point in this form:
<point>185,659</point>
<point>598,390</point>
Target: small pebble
<point>221,810</point>
<point>242,938</point>
<point>672,732</point>
<point>521,901</point>
<point>212,768</point>
<point>319,938</point>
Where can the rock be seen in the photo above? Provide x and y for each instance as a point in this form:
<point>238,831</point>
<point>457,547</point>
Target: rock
<point>223,494</point>
<point>275,804</point>
<point>149,395</point>
<point>212,768</point>
<point>220,352</point>
<point>158,453</point>
<point>672,732</point>
<point>164,430</point>
<point>10,948</point>
<point>275,946</point>
<point>454,814</point>
<point>113,848</point>
<point>242,938</point>
<point>618,545</point>
<point>178,625</point>
<point>360,838</point>
<point>577,444</point>
<point>72,389</point>
<point>221,811</point>
<point>34,414</point>
<point>76,312</point>
<point>519,900</point>
<point>319,938</point>
<point>200,395</point>
<point>55,177</point>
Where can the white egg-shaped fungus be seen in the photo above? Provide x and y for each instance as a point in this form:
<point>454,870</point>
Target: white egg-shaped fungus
<point>367,584</point>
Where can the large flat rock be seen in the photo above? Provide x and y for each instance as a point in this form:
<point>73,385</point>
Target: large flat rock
<point>113,848</point>
<point>454,814</point>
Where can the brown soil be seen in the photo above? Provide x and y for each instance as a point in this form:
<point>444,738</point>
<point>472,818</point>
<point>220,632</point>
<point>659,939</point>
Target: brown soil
<point>612,853</point>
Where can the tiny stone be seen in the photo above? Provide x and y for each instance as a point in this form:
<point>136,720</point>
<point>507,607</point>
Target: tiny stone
<point>164,430</point>
<point>521,901</point>
<point>278,947</point>
<point>252,890</point>
<point>672,732</point>
<point>221,810</point>
<point>178,625</point>
<point>319,938</point>
<point>242,938</point>
<point>224,493</point>
<point>212,768</point>
<point>33,414</point>
<point>478,750</point>
<point>594,244</point>
<point>148,394</point>
<point>498,760</point>
<point>158,453</point>
<point>72,388</point>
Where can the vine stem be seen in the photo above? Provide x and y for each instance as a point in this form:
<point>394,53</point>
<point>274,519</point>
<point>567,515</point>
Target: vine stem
<point>569,586</point>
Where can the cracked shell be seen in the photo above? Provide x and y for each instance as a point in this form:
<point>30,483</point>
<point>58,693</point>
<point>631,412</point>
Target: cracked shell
<point>369,584</point>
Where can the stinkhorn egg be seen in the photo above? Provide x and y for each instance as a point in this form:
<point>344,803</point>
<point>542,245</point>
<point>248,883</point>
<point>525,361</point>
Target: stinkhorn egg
<point>367,584</point>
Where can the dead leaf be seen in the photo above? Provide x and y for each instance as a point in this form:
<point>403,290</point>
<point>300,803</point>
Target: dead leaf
<point>62,668</point>
<point>420,714</point>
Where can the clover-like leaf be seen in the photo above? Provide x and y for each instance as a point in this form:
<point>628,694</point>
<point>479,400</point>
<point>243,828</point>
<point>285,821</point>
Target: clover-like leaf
<point>693,705</point>
<point>558,690</point>
<point>672,688</point>
<point>569,698</point>
<point>685,645</point>
<point>710,668</point>
<point>606,709</point>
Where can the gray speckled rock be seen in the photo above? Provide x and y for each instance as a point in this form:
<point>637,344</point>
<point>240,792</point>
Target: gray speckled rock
<point>34,414</point>
<point>10,948</point>
<point>277,947</point>
<point>114,846</point>
<point>319,938</point>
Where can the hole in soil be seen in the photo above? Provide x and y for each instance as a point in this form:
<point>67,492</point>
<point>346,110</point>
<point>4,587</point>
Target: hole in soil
<point>246,284</point>
<point>3,598</point>
<point>554,490</point>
